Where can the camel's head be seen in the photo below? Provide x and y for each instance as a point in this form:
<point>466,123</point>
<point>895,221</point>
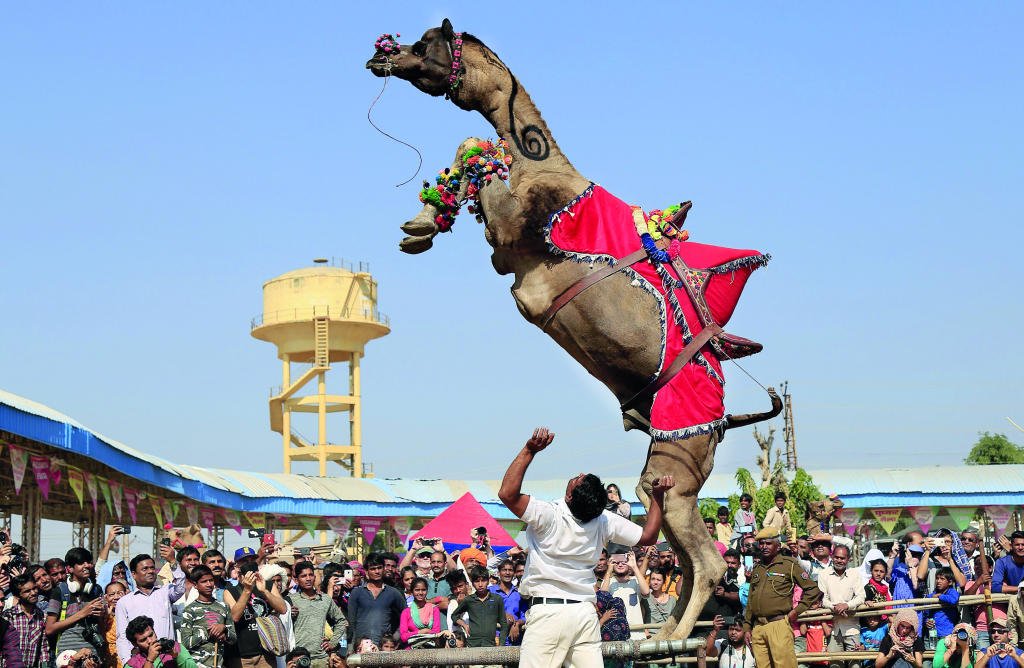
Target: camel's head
<point>429,64</point>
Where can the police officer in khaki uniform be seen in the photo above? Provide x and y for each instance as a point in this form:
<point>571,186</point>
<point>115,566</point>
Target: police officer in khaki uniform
<point>770,614</point>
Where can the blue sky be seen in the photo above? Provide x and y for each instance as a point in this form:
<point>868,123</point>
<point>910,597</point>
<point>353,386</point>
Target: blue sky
<point>159,162</point>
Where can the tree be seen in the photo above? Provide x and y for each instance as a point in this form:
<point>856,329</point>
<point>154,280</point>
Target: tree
<point>770,473</point>
<point>995,449</point>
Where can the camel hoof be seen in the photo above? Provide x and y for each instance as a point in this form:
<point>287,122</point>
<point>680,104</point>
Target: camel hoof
<point>420,226</point>
<point>414,245</point>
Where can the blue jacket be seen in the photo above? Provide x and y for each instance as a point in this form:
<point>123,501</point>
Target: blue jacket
<point>948,615</point>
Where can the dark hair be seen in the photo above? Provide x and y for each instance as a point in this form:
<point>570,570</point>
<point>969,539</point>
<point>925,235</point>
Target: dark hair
<point>248,567</point>
<point>329,571</point>
<point>506,562</point>
<point>416,581</point>
<point>20,581</point>
<point>722,510</point>
<point>604,553</point>
<point>1016,535</point>
<point>780,495</point>
<point>186,551</point>
<point>803,536</point>
<point>296,653</point>
<point>115,583</point>
<point>947,572</point>
<point>877,562</point>
<point>303,566</point>
<point>79,555</point>
<point>211,554</point>
<point>454,578</point>
<point>391,556</point>
<point>588,499</point>
<point>198,572</point>
<point>138,559</point>
<point>709,520</point>
<point>663,572</point>
<point>972,531</point>
<point>746,497</point>
<point>478,573</point>
<point>56,562</point>
<point>373,559</point>
<point>735,554</point>
<point>136,627</point>
<point>31,570</point>
<point>617,490</point>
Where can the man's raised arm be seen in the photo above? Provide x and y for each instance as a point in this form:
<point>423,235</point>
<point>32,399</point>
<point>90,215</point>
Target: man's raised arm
<point>511,485</point>
<point>654,514</point>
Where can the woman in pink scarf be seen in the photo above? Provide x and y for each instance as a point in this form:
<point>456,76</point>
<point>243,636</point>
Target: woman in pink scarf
<point>421,616</point>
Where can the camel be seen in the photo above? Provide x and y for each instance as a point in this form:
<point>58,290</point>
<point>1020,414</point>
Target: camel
<point>613,328</point>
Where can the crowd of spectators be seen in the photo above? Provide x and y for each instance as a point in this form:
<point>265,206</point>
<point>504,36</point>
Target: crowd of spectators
<point>259,610</point>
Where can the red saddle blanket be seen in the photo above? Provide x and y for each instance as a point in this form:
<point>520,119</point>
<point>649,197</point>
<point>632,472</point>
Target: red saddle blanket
<point>598,227</point>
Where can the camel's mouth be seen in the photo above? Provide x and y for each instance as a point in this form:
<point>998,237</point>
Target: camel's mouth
<point>379,65</point>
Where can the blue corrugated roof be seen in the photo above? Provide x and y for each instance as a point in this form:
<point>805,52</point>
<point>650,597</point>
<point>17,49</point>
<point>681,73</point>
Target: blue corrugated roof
<point>310,495</point>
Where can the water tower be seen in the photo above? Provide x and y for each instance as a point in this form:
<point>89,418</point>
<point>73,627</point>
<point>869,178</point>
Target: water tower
<point>317,316</point>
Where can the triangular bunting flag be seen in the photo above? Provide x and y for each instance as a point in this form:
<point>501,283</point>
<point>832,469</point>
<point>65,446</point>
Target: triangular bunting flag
<point>77,483</point>
<point>115,494</point>
<point>207,517</point>
<point>55,465</point>
<point>962,516</point>
<point>19,460</point>
<point>41,470</point>
<point>131,499</point>
<point>309,524</point>
<point>90,484</point>
<point>1001,516</point>
<point>339,525</point>
<point>887,517</point>
<point>924,517</point>
<point>513,528</point>
<point>370,526</point>
<point>191,513</point>
<point>231,517</point>
<point>168,511</point>
<point>402,527</point>
<point>849,517</point>
<point>105,490</point>
<point>158,512</point>
<point>256,520</point>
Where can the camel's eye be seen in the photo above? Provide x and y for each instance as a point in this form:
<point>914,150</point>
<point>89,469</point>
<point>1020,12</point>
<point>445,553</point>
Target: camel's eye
<point>419,49</point>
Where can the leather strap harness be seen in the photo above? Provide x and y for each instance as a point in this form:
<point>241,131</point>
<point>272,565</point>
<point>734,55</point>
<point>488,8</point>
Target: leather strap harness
<point>587,281</point>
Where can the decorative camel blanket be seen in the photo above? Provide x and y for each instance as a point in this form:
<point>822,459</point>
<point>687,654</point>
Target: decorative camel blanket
<point>598,227</point>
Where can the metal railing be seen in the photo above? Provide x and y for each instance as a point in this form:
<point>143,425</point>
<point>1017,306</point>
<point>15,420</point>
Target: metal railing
<point>319,311</point>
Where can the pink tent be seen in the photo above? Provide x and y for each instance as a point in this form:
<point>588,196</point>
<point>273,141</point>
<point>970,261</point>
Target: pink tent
<point>454,524</point>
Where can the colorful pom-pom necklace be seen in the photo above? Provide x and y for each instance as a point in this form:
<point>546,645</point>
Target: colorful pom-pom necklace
<point>480,164</point>
<point>388,43</point>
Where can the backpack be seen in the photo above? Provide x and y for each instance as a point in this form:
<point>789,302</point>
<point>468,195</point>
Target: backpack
<point>90,633</point>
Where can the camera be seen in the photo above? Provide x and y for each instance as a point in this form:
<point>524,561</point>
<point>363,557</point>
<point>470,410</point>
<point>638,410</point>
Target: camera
<point>4,537</point>
<point>450,641</point>
<point>302,662</point>
<point>88,656</point>
<point>166,645</point>
<point>961,634</point>
<point>92,635</point>
<point>729,621</point>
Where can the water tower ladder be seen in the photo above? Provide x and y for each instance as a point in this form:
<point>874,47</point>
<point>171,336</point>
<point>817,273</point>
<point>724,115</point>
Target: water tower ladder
<point>322,354</point>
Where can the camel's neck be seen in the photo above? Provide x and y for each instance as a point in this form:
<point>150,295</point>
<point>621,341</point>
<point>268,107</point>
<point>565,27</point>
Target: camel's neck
<point>490,88</point>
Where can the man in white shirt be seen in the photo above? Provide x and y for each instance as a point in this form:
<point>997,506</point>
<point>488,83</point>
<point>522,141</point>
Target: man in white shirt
<point>565,539</point>
<point>842,591</point>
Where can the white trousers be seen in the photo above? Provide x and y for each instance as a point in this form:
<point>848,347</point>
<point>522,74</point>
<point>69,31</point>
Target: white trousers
<point>561,634</point>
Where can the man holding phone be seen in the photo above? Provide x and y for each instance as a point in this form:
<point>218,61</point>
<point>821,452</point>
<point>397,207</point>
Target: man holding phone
<point>565,539</point>
<point>1000,654</point>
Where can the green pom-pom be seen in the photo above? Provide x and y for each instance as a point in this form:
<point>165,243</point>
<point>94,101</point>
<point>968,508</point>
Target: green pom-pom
<point>476,150</point>
<point>431,196</point>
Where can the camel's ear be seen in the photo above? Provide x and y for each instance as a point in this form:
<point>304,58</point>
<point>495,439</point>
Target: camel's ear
<point>447,30</point>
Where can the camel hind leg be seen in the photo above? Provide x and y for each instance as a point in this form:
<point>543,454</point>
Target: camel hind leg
<point>689,461</point>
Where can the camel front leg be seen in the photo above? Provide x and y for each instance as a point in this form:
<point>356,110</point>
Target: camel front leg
<point>423,227</point>
<point>689,461</point>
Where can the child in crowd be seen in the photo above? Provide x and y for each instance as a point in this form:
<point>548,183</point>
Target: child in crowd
<point>206,623</point>
<point>945,618</point>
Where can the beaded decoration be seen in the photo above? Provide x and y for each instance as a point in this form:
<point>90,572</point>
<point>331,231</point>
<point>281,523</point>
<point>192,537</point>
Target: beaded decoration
<point>480,164</point>
<point>388,43</point>
<point>456,76</point>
